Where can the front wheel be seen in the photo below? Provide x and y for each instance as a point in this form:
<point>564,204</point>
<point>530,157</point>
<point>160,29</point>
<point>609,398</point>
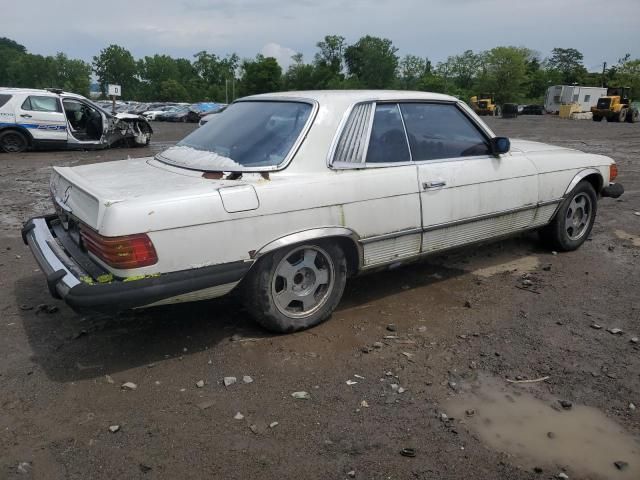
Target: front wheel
<point>296,287</point>
<point>574,219</point>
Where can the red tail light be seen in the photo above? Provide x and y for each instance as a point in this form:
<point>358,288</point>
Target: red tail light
<point>613,172</point>
<point>129,251</point>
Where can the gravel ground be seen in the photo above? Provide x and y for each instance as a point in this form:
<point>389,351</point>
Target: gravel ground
<point>448,329</point>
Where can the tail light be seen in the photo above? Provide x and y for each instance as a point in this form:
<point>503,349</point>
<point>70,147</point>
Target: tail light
<point>129,251</point>
<point>613,172</point>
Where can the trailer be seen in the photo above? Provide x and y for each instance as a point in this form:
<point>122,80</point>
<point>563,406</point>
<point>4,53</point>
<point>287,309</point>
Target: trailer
<point>584,97</point>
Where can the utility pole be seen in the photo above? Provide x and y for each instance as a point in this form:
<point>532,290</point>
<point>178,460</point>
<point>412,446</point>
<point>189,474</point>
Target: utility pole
<point>604,69</point>
<point>226,90</point>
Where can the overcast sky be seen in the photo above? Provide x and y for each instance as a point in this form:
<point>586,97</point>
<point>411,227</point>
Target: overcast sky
<point>603,30</point>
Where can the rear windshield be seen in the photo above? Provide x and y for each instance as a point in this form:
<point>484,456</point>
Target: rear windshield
<point>246,136</point>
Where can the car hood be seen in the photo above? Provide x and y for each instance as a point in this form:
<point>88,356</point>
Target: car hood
<point>528,146</point>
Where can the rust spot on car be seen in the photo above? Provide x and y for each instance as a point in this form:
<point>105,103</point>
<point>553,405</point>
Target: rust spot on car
<point>212,175</point>
<point>265,175</point>
<point>252,253</point>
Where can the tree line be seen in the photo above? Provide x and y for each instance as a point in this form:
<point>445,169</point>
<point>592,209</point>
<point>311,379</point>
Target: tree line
<point>513,74</point>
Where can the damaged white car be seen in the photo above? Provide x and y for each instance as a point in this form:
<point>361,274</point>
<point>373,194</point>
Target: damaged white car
<point>286,195</point>
<point>56,119</point>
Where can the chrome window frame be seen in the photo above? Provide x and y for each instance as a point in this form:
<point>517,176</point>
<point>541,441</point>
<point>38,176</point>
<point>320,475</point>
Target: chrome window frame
<point>461,106</point>
<point>315,106</point>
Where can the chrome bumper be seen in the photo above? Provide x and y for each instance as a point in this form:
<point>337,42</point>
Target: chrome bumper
<point>51,258</point>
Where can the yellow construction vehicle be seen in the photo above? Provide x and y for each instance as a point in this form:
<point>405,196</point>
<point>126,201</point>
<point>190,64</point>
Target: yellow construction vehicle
<point>484,104</point>
<point>615,107</point>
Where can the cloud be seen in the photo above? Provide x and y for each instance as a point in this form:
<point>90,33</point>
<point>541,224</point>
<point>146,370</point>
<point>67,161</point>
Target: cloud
<point>281,54</point>
<point>433,29</point>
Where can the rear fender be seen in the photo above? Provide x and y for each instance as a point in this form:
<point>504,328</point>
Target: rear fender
<point>310,235</point>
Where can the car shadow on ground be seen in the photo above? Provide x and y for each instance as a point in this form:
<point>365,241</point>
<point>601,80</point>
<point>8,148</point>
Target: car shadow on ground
<point>71,347</point>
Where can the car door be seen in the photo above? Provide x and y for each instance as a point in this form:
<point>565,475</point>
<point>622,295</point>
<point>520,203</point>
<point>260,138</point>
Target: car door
<point>467,193</point>
<point>43,117</point>
<point>377,187</point>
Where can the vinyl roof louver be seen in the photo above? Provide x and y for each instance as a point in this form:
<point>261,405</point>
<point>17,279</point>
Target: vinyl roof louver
<point>353,141</point>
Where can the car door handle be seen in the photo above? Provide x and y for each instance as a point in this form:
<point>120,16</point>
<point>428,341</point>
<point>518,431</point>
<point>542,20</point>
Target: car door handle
<point>25,115</point>
<point>436,184</point>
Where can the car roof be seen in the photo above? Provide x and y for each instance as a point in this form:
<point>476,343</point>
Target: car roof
<point>353,96</point>
<point>41,92</point>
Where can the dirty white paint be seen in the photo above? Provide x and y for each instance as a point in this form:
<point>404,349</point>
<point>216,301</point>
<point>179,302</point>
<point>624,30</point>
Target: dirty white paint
<point>199,221</point>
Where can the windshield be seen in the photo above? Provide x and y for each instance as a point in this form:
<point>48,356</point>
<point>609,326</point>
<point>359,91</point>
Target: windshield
<point>246,136</point>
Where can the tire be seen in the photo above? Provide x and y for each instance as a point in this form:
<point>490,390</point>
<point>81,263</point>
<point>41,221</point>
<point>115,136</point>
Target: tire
<point>622,116</point>
<point>597,118</point>
<point>318,268</point>
<point>574,219</point>
<point>13,141</point>
<point>633,115</point>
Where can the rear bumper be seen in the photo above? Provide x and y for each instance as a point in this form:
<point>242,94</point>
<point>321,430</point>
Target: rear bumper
<point>613,190</point>
<point>68,281</point>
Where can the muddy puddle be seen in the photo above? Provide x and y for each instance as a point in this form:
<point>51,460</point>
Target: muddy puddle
<point>581,439</point>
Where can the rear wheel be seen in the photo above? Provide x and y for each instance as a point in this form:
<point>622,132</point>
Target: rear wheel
<point>12,141</point>
<point>296,287</point>
<point>574,219</point>
<point>597,118</point>
<point>633,115</point>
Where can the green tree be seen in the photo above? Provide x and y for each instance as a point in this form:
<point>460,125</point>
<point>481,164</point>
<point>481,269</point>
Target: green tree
<point>71,74</point>
<point>116,65</point>
<point>372,62</point>
<point>172,91</point>
<point>261,75</point>
<point>627,74</point>
<point>300,76</point>
<point>411,70</point>
<point>568,63</point>
<point>505,73</point>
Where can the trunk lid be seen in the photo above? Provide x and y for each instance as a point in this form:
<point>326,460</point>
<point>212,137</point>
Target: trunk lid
<point>87,192</point>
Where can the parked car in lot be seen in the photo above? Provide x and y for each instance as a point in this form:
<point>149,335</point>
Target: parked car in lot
<point>182,113</point>
<point>210,116</point>
<point>286,195</point>
<point>153,114</point>
<point>533,110</point>
<point>53,118</point>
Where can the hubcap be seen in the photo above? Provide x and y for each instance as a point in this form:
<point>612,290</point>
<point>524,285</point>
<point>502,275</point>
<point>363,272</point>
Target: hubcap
<point>578,216</point>
<point>303,281</point>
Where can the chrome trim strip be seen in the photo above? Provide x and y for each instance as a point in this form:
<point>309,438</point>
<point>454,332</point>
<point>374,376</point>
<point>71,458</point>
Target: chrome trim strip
<point>582,174</point>
<point>313,234</point>
<point>430,228</point>
<point>45,246</point>
<point>386,236</point>
<point>482,217</point>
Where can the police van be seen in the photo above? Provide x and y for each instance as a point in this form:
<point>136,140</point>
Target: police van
<point>52,118</point>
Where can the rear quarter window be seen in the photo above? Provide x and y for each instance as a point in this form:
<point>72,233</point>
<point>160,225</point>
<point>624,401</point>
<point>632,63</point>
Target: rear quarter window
<point>4,98</point>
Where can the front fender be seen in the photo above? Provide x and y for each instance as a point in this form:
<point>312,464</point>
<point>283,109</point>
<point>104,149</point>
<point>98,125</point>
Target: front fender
<point>581,175</point>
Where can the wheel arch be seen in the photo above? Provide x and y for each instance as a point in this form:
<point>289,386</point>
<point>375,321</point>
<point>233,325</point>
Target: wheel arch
<point>592,175</point>
<point>19,129</point>
<point>347,239</point>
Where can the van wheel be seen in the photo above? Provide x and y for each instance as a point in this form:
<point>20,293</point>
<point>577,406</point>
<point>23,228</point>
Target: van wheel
<point>12,141</point>
<point>296,287</point>
<point>574,219</point>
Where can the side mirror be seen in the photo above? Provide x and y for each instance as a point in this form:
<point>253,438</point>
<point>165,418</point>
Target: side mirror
<point>500,145</point>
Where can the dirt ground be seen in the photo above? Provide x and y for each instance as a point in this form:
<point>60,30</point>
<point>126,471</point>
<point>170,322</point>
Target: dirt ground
<point>451,332</point>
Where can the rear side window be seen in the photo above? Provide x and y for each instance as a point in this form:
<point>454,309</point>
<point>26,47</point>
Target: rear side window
<point>438,131</point>
<point>4,98</point>
<point>42,104</point>
<point>388,142</point>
